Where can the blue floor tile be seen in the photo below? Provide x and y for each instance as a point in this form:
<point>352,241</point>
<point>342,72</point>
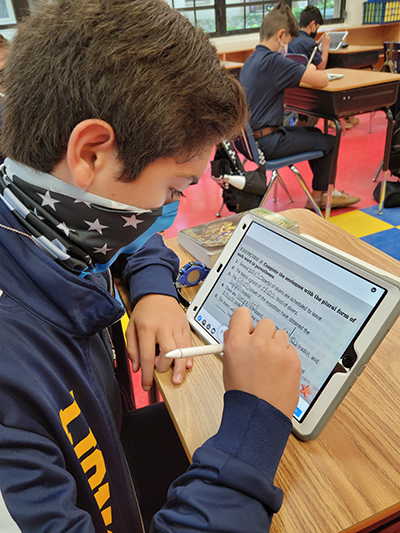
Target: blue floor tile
<point>387,241</point>
<point>391,215</point>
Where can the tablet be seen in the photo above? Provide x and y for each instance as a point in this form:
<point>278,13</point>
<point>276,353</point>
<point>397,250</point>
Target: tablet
<point>335,308</point>
<point>336,37</point>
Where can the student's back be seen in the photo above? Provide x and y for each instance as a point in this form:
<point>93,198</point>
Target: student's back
<point>265,76</point>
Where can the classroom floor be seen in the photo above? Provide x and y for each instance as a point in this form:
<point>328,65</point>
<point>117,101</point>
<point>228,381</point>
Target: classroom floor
<point>359,157</point>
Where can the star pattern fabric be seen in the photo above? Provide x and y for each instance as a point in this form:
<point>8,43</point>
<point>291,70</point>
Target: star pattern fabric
<point>86,236</point>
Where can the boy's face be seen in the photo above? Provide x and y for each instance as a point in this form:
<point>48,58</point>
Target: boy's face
<point>91,163</point>
<point>314,27</point>
<point>161,182</point>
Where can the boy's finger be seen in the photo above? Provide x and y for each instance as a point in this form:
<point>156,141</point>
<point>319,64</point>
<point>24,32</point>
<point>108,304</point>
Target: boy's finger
<point>241,320</point>
<point>132,346</point>
<point>179,371</point>
<point>147,350</point>
<point>266,327</point>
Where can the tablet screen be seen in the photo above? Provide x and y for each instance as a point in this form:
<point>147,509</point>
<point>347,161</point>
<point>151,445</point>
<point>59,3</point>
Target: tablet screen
<point>336,38</point>
<point>320,304</point>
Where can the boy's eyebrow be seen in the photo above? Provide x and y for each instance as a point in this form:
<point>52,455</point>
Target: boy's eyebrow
<point>190,177</point>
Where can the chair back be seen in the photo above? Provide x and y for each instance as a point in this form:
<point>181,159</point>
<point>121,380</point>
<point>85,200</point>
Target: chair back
<point>298,58</point>
<point>394,53</point>
<point>386,46</point>
<point>247,146</point>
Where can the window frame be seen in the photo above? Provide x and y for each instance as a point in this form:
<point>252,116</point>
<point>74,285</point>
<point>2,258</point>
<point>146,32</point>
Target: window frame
<point>220,7</point>
<point>18,10</point>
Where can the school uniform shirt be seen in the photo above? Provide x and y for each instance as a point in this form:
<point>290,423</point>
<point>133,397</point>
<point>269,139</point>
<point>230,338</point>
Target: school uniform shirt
<point>62,466</point>
<point>304,44</point>
<point>265,76</point>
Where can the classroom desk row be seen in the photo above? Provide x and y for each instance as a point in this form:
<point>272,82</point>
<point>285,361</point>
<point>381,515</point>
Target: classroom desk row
<point>358,91</point>
<point>354,56</point>
<point>346,480</point>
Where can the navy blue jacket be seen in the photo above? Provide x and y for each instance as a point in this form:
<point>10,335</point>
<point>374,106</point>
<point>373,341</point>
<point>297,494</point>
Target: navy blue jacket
<point>62,467</point>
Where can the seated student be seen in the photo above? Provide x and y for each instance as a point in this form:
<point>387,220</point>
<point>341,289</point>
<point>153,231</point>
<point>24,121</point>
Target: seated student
<point>310,22</point>
<point>265,76</point>
<point>109,120</point>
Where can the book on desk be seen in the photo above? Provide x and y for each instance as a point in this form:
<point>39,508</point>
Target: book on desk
<point>206,241</point>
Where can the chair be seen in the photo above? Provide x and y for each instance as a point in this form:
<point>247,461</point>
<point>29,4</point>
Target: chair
<point>274,165</point>
<point>386,47</point>
<point>298,58</point>
<point>248,147</point>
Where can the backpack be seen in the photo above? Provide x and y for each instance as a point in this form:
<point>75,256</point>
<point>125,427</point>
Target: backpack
<point>392,196</point>
<point>394,158</point>
<point>227,162</point>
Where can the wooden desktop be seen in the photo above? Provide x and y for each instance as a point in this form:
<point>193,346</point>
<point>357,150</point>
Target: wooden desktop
<point>348,479</point>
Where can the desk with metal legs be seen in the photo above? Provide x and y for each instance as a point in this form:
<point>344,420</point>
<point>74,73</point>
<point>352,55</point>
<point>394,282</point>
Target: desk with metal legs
<point>359,91</point>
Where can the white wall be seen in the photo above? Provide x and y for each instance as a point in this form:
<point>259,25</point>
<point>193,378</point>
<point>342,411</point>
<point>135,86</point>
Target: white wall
<point>354,10</point>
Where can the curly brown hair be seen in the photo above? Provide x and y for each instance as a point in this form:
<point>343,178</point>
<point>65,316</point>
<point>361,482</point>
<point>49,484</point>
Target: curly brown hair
<point>280,17</point>
<point>136,64</point>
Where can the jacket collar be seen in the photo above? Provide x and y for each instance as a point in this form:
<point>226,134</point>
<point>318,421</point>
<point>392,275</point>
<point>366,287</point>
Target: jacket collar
<point>36,282</point>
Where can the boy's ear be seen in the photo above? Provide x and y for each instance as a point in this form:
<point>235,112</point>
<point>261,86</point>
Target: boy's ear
<point>91,148</point>
<point>280,35</point>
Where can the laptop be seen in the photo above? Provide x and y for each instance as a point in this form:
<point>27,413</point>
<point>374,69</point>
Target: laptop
<point>335,308</point>
<point>337,38</point>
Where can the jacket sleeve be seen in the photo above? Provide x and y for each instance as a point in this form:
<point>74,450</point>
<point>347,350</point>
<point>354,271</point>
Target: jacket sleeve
<point>36,491</point>
<point>230,485</point>
<point>151,270</point>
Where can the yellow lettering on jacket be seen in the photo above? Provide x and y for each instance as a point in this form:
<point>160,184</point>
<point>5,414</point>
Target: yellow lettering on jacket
<point>68,414</point>
<point>85,444</point>
<point>94,460</point>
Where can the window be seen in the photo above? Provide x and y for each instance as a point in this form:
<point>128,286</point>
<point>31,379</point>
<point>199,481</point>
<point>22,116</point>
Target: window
<point>227,17</point>
<point>332,10</point>
<point>200,12</point>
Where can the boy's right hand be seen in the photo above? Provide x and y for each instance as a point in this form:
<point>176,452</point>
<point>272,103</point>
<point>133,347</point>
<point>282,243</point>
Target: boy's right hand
<point>259,360</point>
<point>325,40</point>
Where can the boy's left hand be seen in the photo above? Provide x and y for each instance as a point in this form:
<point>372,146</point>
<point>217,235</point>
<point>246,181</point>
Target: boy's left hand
<point>157,319</point>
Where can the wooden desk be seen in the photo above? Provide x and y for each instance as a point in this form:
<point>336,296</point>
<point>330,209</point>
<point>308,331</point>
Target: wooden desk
<point>350,476</point>
<point>229,65</point>
<point>234,67</point>
<point>354,56</point>
<point>359,91</point>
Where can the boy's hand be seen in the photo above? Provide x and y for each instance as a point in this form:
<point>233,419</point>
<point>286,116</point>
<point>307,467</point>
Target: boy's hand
<point>325,40</point>
<point>157,319</point>
<point>259,360</point>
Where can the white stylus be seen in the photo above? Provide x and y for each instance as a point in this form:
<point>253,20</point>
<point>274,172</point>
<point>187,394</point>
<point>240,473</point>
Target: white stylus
<point>179,353</point>
<point>312,56</point>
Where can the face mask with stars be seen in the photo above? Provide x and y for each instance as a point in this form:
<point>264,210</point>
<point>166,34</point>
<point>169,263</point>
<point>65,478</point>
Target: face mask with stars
<point>83,231</point>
